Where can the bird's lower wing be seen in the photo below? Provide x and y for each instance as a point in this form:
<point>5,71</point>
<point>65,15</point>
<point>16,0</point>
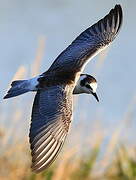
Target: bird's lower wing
<point>51,117</point>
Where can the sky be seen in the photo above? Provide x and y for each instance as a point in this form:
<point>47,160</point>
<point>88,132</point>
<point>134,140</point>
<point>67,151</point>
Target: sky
<point>22,23</point>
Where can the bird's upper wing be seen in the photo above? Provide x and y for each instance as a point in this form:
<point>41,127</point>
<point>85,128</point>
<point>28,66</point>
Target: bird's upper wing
<point>51,117</point>
<point>89,43</point>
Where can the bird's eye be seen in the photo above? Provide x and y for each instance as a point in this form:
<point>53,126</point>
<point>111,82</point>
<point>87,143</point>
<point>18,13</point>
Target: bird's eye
<point>88,86</point>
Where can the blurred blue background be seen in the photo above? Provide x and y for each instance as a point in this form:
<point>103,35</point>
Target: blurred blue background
<point>23,22</point>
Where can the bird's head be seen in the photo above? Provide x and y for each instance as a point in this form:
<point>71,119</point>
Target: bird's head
<point>86,84</point>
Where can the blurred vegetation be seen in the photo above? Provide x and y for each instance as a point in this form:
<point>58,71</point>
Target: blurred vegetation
<point>15,165</point>
<point>117,162</point>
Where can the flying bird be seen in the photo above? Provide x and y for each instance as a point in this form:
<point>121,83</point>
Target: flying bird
<point>53,104</point>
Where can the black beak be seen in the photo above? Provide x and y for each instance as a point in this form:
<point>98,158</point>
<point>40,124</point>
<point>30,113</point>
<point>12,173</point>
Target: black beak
<point>95,95</point>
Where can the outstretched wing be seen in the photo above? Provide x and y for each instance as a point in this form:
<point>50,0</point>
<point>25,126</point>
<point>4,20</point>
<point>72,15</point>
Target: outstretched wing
<point>51,117</point>
<point>89,43</point>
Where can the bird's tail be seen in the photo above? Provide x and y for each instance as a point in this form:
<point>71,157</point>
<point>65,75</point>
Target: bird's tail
<point>17,88</point>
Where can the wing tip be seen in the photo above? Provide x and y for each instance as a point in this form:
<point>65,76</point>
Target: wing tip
<point>114,19</point>
<point>115,13</point>
<point>118,9</point>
